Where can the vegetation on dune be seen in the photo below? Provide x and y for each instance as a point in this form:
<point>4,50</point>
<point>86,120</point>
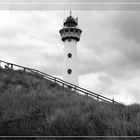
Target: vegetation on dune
<point>31,105</point>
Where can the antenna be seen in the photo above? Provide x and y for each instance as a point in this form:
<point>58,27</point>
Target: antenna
<point>70,12</point>
<point>77,16</point>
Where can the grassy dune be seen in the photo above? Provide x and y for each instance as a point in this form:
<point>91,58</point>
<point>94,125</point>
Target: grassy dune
<point>30,105</point>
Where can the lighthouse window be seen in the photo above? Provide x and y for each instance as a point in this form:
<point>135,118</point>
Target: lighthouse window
<point>69,71</point>
<point>69,55</point>
<point>72,30</point>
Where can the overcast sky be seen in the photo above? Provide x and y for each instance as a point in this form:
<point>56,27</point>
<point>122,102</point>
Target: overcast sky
<point>109,49</point>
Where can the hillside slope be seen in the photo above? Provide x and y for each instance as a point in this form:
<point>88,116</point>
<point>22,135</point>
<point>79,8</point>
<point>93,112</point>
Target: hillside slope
<point>30,105</point>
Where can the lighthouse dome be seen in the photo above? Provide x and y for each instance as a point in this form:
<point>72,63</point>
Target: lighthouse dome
<point>70,22</point>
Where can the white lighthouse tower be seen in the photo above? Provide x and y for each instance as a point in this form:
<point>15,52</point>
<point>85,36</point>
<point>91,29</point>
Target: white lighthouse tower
<point>70,35</point>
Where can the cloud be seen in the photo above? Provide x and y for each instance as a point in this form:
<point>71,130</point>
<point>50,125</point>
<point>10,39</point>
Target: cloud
<point>105,49</point>
<point>106,79</point>
<point>108,55</point>
<point>111,51</point>
<point>128,23</point>
<point>31,40</point>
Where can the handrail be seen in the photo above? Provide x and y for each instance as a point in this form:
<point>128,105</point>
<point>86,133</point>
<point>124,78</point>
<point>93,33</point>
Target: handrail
<point>60,81</point>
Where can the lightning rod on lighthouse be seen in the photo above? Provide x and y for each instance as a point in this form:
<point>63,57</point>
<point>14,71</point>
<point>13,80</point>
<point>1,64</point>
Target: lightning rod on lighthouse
<point>70,35</point>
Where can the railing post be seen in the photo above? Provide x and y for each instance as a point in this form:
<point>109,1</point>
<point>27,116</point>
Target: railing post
<point>113,100</point>
<point>37,72</point>
<point>12,66</point>
<point>123,118</point>
<point>97,97</point>
<point>63,85</point>
<point>75,88</point>
<point>63,88</point>
<point>24,69</point>
<point>6,67</point>
<point>138,122</point>
<point>69,86</point>
<point>54,80</point>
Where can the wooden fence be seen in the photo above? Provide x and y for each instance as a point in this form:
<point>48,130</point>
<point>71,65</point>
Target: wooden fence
<point>61,82</point>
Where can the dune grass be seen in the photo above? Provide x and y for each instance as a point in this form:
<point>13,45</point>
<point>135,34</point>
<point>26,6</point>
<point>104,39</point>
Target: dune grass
<point>31,105</point>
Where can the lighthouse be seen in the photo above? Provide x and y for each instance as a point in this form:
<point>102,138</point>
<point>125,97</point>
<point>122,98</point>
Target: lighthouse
<point>70,35</point>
